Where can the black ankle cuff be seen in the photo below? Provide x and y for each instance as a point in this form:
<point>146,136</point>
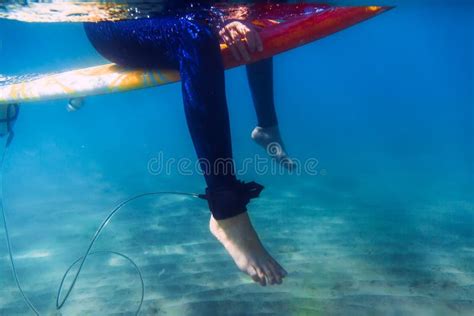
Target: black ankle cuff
<point>231,201</point>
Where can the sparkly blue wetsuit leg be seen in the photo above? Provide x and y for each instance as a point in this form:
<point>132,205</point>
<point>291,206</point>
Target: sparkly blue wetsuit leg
<point>260,77</point>
<point>187,43</point>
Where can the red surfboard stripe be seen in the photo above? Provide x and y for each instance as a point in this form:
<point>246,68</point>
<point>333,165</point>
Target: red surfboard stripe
<point>302,29</point>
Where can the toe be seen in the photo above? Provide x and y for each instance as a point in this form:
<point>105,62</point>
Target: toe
<point>268,274</point>
<point>282,271</point>
<point>253,274</point>
<point>271,277</point>
<point>275,272</point>
<point>261,276</point>
<point>255,278</point>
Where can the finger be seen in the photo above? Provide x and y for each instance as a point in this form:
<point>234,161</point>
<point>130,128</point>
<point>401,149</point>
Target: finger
<point>232,33</point>
<point>238,36</point>
<point>226,37</point>
<point>249,37</point>
<point>238,42</point>
<point>251,41</point>
<point>230,44</point>
<point>232,39</point>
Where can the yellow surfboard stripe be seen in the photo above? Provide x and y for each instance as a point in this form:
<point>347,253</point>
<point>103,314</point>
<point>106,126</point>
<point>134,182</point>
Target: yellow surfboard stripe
<point>95,80</point>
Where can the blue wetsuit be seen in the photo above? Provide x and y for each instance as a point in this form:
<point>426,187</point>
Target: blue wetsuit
<point>185,40</point>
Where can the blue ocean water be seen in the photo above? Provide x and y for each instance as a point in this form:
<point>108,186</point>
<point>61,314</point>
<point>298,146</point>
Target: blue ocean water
<point>384,227</point>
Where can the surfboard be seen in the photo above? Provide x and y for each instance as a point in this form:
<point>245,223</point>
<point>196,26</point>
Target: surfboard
<point>281,27</point>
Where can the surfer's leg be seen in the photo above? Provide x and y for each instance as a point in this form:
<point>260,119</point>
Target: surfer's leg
<point>205,104</point>
<point>260,77</point>
<point>203,86</point>
<point>266,133</point>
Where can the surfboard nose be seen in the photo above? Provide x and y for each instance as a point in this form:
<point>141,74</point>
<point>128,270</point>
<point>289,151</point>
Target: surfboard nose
<point>380,9</point>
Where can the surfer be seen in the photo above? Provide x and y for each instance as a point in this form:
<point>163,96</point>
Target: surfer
<point>182,38</point>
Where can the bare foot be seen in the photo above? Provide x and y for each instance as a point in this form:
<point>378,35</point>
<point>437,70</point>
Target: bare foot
<point>240,240</point>
<point>270,139</point>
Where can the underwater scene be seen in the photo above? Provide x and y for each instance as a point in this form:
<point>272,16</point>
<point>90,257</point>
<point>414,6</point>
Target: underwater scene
<point>347,186</point>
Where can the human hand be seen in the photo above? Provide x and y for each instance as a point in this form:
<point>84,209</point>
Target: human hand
<point>242,39</point>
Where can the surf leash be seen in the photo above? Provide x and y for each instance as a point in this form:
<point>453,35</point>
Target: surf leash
<point>81,260</point>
